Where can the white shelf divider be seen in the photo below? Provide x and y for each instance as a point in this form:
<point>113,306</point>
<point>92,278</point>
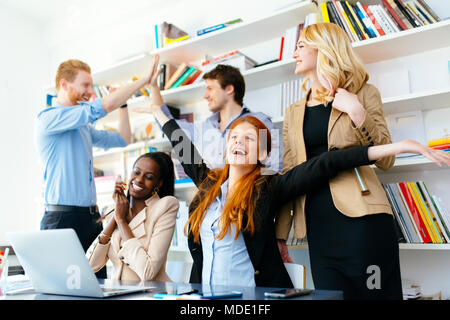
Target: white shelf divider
<point>427,100</point>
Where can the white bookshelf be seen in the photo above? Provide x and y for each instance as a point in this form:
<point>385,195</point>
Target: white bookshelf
<point>415,163</point>
<point>236,36</point>
<point>427,100</point>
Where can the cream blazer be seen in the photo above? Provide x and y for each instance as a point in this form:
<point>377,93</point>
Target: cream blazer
<point>143,257</point>
<point>345,190</point>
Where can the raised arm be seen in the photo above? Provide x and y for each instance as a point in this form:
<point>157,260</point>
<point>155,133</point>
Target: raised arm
<point>120,96</point>
<point>318,170</point>
<point>186,152</point>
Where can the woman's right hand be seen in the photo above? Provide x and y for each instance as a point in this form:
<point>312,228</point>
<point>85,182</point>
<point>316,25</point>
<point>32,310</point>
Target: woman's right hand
<point>438,156</point>
<point>409,146</point>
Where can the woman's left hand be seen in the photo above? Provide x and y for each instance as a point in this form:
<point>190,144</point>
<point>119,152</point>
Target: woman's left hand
<point>348,102</point>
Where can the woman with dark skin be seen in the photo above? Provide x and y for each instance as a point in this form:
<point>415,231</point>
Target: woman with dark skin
<point>138,235</point>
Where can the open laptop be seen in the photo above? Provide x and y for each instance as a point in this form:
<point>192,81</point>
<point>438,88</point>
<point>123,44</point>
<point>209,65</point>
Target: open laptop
<point>55,262</point>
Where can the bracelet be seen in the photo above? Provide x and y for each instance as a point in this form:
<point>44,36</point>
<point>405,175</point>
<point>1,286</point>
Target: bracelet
<point>124,106</point>
<point>105,235</point>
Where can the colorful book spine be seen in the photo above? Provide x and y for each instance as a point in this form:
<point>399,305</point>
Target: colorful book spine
<point>415,212</point>
<point>435,213</point>
<point>406,13</point>
<point>373,20</point>
<point>347,20</point>
<point>217,27</point>
<point>365,18</point>
<point>389,18</point>
<point>338,11</point>
<point>324,12</point>
<point>405,213</point>
<point>400,221</point>
<point>181,69</point>
<point>424,214</point>
<point>356,20</point>
<point>394,15</point>
<point>429,10</point>
<point>439,142</point>
<point>424,12</point>
<point>183,77</point>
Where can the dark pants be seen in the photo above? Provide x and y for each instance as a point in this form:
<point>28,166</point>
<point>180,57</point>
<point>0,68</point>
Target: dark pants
<point>87,227</point>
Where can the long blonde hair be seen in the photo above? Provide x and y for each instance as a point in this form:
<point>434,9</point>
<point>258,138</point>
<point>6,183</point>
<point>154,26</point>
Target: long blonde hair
<point>337,63</point>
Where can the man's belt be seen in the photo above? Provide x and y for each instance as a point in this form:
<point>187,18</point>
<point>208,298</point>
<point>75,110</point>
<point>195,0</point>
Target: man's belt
<point>63,208</point>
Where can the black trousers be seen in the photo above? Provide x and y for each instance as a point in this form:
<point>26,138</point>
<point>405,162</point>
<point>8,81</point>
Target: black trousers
<point>87,227</point>
<point>359,256</point>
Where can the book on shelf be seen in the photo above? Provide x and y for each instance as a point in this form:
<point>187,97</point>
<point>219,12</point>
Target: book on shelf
<point>440,142</point>
<point>419,214</point>
<point>396,14</point>
<point>365,21</point>
<point>183,77</point>
<point>182,68</point>
<point>411,291</point>
<point>362,21</point>
<point>426,9</point>
<point>375,23</point>
<point>234,58</point>
<point>167,70</point>
<point>167,33</point>
<point>289,41</point>
<point>218,27</point>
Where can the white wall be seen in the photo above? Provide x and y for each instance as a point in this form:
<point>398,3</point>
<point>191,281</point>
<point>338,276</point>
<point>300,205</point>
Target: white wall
<point>23,67</point>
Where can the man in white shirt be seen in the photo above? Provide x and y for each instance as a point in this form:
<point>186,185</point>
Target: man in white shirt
<point>225,89</point>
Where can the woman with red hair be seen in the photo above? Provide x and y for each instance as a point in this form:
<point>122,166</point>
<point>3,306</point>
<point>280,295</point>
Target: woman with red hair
<point>231,231</point>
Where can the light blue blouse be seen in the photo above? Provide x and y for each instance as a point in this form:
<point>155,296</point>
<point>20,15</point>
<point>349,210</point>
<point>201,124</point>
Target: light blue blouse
<point>226,261</point>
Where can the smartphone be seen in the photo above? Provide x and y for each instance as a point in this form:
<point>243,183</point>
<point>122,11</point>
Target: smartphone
<point>287,293</point>
<point>221,294</point>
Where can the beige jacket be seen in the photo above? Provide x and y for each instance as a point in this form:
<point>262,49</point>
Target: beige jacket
<point>144,256</point>
<point>345,190</point>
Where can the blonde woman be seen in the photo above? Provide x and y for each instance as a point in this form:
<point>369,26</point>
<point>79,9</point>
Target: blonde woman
<point>348,221</point>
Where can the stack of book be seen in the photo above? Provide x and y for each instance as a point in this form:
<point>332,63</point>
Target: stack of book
<point>167,33</point>
<point>421,217</point>
<point>411,291</point>
<point>440,144</point>
<point>235,58</point>
<point>217,27</point>
<point>183,75</point>
<point>361,21</point>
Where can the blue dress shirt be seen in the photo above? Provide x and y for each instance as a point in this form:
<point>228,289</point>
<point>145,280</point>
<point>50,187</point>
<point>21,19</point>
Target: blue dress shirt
<point>226,261</point>
<point>64,140</point>
<point>211,141</point>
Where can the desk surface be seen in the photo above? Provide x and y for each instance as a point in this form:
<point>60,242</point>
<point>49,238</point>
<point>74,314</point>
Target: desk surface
<point>248,293</point>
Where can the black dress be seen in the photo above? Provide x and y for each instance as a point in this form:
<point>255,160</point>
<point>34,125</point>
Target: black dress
<point>357,255</point>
